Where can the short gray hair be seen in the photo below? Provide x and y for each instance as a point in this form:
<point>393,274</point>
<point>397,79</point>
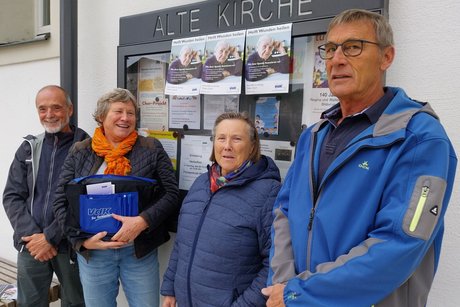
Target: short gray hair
<point>57,87</point>
<point>254,156</point>
<point>115,95</point>
<point>263,39</point>
<point>221,45</point>
<point>382,28</point>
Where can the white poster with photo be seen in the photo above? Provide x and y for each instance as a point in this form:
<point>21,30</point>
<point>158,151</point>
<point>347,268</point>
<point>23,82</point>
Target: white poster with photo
<point>153,111</point>
<point>184,72</point>
<point>267,60</point>
<point>194,158</point>
<point>184,110</point>
<point>223,63</point>
<point>214,105</point>
<point>281,152</point>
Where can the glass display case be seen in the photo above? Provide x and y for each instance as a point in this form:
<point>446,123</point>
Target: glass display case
<point>183,123</point>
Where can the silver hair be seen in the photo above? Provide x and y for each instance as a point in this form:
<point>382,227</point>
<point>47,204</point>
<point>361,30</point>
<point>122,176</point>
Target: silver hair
<point>67,97</point>
<point>221,44</point>
<point>382,28</point>
<point>264,38</point>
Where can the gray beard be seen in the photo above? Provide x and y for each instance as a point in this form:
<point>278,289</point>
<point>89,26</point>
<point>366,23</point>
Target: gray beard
<point>56,129</point>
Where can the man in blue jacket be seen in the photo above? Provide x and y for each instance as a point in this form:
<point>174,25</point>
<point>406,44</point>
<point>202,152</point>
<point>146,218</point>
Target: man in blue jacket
<point>360,218</point>
<point>28,200</point>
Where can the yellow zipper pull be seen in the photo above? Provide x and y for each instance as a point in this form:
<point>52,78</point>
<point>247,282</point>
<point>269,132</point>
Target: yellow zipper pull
<point>419,209</point>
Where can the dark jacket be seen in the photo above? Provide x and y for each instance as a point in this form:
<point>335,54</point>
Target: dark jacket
<point>18,197</point>
<point>220,256</point>
<point>213,69</point>
<point>148,159</point>
<point>177,72</point>
<point>256,67</point>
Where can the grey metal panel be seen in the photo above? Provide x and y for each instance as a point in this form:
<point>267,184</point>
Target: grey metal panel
<point>125,51</point>
<point>215,16</point>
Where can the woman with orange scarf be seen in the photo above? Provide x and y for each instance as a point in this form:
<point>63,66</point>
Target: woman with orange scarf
<point>130,255</point>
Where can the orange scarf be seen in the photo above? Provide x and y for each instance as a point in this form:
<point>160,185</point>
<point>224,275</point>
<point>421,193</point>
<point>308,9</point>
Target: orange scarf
<point>117,163</point>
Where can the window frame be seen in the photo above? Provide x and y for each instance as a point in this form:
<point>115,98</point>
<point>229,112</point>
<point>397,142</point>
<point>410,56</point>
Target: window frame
<point>42,15</point>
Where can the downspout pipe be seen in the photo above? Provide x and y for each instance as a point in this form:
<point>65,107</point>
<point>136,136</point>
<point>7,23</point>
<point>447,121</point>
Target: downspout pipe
<point>69,52</point>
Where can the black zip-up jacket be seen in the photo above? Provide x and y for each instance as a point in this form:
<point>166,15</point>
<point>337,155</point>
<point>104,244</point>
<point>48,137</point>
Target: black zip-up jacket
<point>27,215</point>
<point>148,159</point>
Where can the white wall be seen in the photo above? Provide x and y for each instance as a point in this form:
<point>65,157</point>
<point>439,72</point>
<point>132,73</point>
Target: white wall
<point>18,84</point>
<point>98,34</point>
<point>426,66</point>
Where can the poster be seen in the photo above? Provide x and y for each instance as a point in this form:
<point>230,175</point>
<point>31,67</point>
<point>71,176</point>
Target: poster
<point>167,139</point>
<point>223,63</point>
<point>185,65</point>
<point>321,97</point>
<point>299,69</point>
<point>267,62</point>
<point>217,104</point>
<point>195,153</point>
<point>151,75</point>
<point>154,111</point>
<point>184,110</point>
<point>281,152</point>
<point>150,98</point>
<point>267,115</point>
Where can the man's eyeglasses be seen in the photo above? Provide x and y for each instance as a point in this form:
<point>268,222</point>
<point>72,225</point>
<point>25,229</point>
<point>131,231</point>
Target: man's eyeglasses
<point>350,48</point>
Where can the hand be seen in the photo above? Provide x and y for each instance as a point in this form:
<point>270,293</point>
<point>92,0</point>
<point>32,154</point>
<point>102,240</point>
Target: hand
<point>39,247</point>
<point>275,295</point>
<point>225,73</point>
<point>131,227</point>
<point>95,242</point>
<point>279,46</point>
<point>235,53</point>
<point>169,301</point>
<point>270,71</point>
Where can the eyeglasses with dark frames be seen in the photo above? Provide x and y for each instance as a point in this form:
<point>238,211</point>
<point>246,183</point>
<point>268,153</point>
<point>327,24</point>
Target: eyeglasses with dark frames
<point>350,48</point>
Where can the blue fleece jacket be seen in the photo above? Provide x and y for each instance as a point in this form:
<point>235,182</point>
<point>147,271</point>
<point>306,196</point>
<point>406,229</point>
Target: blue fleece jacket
<point>370,232</point>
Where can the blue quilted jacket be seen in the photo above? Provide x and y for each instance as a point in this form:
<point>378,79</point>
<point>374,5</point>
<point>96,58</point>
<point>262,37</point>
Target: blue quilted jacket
<point>220,256</point>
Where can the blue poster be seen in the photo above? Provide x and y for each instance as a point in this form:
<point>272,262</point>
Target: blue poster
<point>267,115</point>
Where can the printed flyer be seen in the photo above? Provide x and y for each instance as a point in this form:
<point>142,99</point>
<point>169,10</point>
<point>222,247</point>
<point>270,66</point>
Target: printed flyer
<point>185,65</point>
<point>267,62</point>
<point>223,63</point>
<point>267,115</point>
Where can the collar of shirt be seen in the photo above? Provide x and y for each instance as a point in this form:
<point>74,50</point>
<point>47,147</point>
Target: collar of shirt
<point>60,135</point>
<point>372,112</point>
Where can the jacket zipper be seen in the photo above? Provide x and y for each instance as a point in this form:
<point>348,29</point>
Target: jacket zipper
<point>313,187</point>
<point>50,179</point>
<point>316,194</point>
<point>418,211</point>
<point>32,162</point>
<point>195,241</point>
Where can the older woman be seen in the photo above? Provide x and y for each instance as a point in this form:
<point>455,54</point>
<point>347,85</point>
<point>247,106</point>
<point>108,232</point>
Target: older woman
<point>220,256</point>
<point>130,255</point>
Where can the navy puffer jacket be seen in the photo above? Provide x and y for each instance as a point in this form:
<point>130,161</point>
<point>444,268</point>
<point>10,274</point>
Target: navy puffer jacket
<point>220,256</point>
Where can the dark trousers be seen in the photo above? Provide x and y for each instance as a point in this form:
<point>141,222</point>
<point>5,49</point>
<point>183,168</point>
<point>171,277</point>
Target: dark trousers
<point>34,280</point>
